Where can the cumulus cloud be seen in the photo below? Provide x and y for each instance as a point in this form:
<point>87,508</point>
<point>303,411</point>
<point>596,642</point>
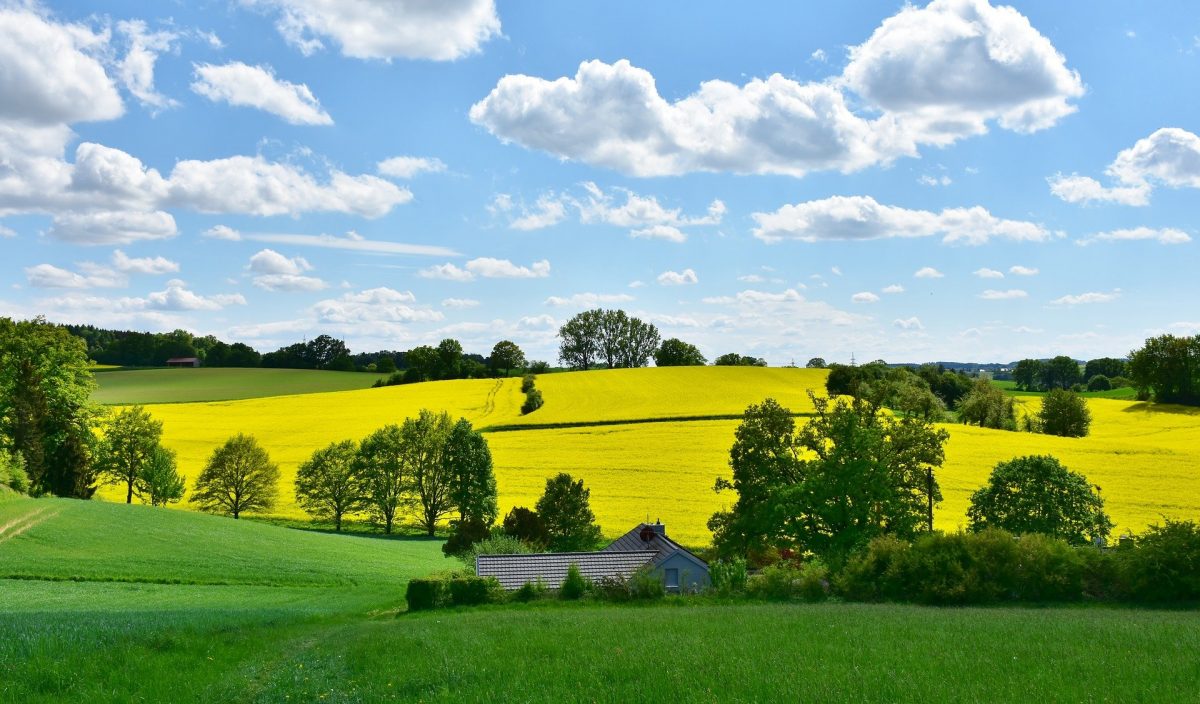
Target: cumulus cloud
<point>894,288</point>
<point>376,305</point>
<point>928,272</point>
<point>350,242</point>
<point>107,227</point>
<point>7,232</point>
<point>668,233</point>
<point>1089,297</point>
<point>448,272</point>
<point>276,272</point>
<point>143,265</point>
<point>409,166</point>
<point>136,69</point>
<point>913,323</point>
<point>928,76</point>
<point>588,300</point>
<point>223,232</point>
<point>1166,235</point>
<point>50,276</point>
<point>678,278</point>
<point>865,297</point>
<point>1168,157</point>
<point>387,29</point>
<point>488,268</point>
<point>177,297</point>
<point>986,273</point>
<point>863,218</point>
<point>1010,294</point>
<point>459,303</point>
<point>1018,270</point>
<point>257,87</point>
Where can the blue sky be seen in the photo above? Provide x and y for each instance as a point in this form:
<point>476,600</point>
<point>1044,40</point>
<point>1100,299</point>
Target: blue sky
<point>951,181</point>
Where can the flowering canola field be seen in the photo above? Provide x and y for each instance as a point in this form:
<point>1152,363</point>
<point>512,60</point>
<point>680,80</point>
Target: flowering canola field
<point>1146,459</point>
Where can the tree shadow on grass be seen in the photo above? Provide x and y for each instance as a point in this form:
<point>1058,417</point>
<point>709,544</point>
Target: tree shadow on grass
<point>1150,407</point>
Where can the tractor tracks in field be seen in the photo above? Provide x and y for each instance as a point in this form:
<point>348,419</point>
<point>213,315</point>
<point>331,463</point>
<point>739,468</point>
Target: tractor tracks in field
<point>24,522</point>
<point>489,403</point>
<point>620,421</point>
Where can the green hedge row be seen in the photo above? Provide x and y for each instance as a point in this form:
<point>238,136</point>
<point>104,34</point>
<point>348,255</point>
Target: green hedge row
<point>440,591</point>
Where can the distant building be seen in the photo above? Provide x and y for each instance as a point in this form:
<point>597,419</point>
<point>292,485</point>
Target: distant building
<point>183,362</point>
<point>646,546</point>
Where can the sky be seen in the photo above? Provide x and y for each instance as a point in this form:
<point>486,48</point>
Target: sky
<point>955,180</point>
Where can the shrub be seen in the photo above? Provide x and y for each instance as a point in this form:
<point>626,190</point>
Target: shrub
<point>427,593</point>
<point>533,401</point>
<point>1065,413</point>
<point>471,591</point>
<point>1120,382</point>
<point>1101,574</point>
<point>527,382</point>
<point>531,591</point>
<point>995,559</point>
<point>12,471</point>
<point>874,574</point>
<point>645,584</point>
<point>1048,569</point>
<point>574,586</point>
<point>1037,494</point>
<point>814,581</point>
<point>778,582</point>
<point>1165,564</point>
<point>935,570</point>
<point>613,589</point>
<point>498,544</point>
<point>464,536</point>
<point>728,576</point>
<point>1099,383</point>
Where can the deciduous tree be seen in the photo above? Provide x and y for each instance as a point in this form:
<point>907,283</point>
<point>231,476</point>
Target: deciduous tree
<point>677,353</point>
<point>131,438</point>
<point>507,356</point>
<point>1064,413</point>
<point>1037,494</point>
<point>423,444</point>
<point>160,482</point>
<point>567,516</point>
<point>385,476</point>
<point>327,485</point>
<point>239,477</point>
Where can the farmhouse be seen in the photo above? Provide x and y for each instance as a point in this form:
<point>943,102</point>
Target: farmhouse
<point>645,547</point>
<point>183,362</point>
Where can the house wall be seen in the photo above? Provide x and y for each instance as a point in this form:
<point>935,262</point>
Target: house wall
<point>691,575</point>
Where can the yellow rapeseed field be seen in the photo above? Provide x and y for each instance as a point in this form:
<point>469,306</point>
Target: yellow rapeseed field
<point>1146,459</point>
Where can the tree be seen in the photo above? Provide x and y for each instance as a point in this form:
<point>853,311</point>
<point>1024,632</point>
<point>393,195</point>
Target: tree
<point>468,462</point>
<point>677,353</point>
<point>130,440</point>
<point>386,364</point>
<point>1062,372</point>
<point>1037,494</point>
<point>160,482</point>
<point>1104,366</point>
<point>641,339</point>
<point>816,363</point>
<point>579,340</point>
<point>45,407</point>
<point>12,471</point>
<point>423,442</point>
<point>565,512</point>
<point>988,407</point>
<point>733,359</point>
<point>1168,368</point>
<point>1027,375</point>
<point>1099,383</point>
<point>449,359</point>
<point>327,485</point>
<point>849,475</point>
<point>507,356</point>
<point>423,361</point>
<point>1064,413</point>
<point>239,477</point>
<point>381,467</point>
<point>525,525</point>
<point>323,350</point>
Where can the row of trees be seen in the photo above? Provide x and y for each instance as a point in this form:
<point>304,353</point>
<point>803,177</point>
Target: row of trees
<point>606,338</point>
<point>853,474</point>
<point>1167,369</point>
<point>1062,372</point>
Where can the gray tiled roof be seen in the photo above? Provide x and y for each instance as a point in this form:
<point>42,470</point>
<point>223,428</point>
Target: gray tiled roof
<point>513,571</point>
<point>632,541</point>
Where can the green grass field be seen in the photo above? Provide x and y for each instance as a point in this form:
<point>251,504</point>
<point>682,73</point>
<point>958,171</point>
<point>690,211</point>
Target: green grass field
<point>1124,394</point>
<point>127,386</point>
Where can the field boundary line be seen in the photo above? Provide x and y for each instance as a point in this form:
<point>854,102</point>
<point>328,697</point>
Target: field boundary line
<point>35,518</point>
<point>621,421</point>
<point>15,522</point>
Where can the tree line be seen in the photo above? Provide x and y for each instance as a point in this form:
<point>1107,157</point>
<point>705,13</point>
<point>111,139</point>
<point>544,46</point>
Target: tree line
<point>1062,372</point>
<point>613,339</point>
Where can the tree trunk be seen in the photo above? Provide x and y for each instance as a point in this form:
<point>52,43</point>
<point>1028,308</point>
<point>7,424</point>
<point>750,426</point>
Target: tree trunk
<point>337,522</point>
<point>129,494</point>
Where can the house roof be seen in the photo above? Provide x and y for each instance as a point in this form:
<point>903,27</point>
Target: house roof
<point>183,359</point>
<point>513,571</point>
<point>658,541</point>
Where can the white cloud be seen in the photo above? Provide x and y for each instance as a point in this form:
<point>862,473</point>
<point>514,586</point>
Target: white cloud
<point>1010,294</point>
<point>106,227</point>
<point>865,297</point>
<point>928,272</point>
<point>751,279</point>
<point>1165,235</point>
<point>548,211</point>
<point>459,303</point>
<point>177,297</point>
<point>986,273</point>
<point>913,323</point>
<point>50,276</point>
<point>1085,298</point>
<point>268,261</point>
<point>223,232</point>
<point>928,76</point>
<point>678,278</point>
<point>818,56</point>
<point>894,288</point>
<point>257,87</point>
<point>670,233</point>
<point>350,242</point>
<point>7,232</point>
<point>137,68</point>
<point>143,265</point>
<point>491,268</point>
<point>386,29</point>
<point>289,282</point>
<point>376,305</point>
<point>409,166</point>
<point>1018,270</point>
<point>863,218</point>
<point>1084,189</point>
<point>927,180</point>
<point>448,272</point>
<point>588,300</point>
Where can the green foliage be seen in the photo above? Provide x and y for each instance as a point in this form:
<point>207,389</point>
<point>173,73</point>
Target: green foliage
<point>574,586</point>
<point>1028,374</point>
<point>646,585</point>
<point>497,544</point>
<point>533,401</point>
<point>525,525</point>
<point>1165,565</point>
<point>383,473</point>
<point>606,337</point>
<point>988,407</point>
<point>507,356</point>
<point>1168,368</point>
<point>1061,372</point>
<point>1048,570</point>
<point>565,512</point>
<point>1105,366</point>
<point>538,367</point>
<point>45,409</point>
<point>131,438</point>
<point>238,477</point>
<point>816,363</point>
<point>449,359</point>
<point>728,575</point>
<point>422,363</point>
<point>423,444</point>
<point>472,591</point>
<point>427,593</point>
<point>1037,494</point>
<point>12,471</point>
<point>159,482</point>
<point>527,383</point>
<point>814,581</point>
<point>850,474</point>
<point>677,353</point>
<point>873,574</point>
<point>733,359</point>
<point>326,484</point>
<point>1064,413</point>
<point>321,352</point>
<point>778,582</point>
<point>468,461</point>
<point>1099,382</point>
<point>463,535</point>
<point>531,591</point>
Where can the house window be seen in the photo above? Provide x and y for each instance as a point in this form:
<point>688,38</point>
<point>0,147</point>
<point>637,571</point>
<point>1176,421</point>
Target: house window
<point>672,578</point>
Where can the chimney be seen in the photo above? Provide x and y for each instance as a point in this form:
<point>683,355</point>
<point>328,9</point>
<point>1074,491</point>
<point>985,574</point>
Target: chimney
<point>658,528</point>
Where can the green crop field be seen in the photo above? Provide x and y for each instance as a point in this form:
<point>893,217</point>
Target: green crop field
<point>126,386</point>
<point>1126,393</point>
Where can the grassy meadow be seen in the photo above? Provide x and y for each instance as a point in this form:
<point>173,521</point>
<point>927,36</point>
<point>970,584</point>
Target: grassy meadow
<point>615,430</point>
<point>124,386</point>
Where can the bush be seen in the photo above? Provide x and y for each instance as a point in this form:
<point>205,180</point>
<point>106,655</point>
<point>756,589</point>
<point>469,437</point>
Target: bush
<point>498,544</point>
<point>427,593</point>
<point>778,582</point>
<point>1048,570</point>
<point>613,589</point>
<point>728,576</point>
<point>1120,382</point>
<point>1165,564</point>
<point>814,581</point>
<point>464,536</point>
<point>527,382</point>
<point>471,591</point>
<point>531,591</point>
<point>533,401</point>
<point>1065,413</point>
<point>936,569</point>
<point>1102,578</point>
<point>1099,383</point>
<point>645,584</point>
<point>12,471</point>
<point>538,367</point>
<point>874,574</point>
<point>574,586</point>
